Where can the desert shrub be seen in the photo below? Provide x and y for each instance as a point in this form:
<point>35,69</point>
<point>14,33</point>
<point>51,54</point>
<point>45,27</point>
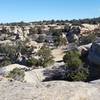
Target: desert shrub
<point>67,28</point>
<point>79,75</point>
<point>8,50</point>
<point>74,63</point>
<point>5,62</point>
<point>11,51</point>
<point>32,62</point>
<point>70,55</point>
<point>60,41</point>
<point>41,38</point>
<point>45,56</point>
<point>17,74</point>
<point>75,70</point>
<point>22,48</point>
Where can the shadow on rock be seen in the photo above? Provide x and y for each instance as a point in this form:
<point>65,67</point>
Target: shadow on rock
<point>55,74</point>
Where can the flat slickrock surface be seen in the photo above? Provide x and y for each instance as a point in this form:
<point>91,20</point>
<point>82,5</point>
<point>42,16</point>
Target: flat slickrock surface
<point>54,90</point>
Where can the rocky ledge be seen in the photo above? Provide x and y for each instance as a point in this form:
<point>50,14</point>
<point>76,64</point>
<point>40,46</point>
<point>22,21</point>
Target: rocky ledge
<point>52,90</point>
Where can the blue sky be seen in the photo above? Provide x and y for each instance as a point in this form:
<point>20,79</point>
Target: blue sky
<point>34,10</point>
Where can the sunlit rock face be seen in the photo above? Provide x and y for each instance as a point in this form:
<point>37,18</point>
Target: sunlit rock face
<point>54,90</point>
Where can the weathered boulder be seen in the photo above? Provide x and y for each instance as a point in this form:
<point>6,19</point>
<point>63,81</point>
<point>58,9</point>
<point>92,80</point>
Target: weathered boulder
<point>36,75</point>
<point>94,52</point>
<point>84,47</point>
<point>5,70</point>
<point>45,74</point>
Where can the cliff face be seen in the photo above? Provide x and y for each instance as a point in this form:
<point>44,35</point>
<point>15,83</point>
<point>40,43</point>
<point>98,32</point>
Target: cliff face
<point>55,90</point>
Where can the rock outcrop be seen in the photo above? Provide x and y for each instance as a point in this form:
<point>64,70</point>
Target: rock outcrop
<point>54,90</point>
<point>5,70</point>
<point>35,76</point>
<point>94,52</point>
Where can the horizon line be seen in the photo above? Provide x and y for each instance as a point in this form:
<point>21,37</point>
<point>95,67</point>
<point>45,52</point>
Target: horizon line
<point>63,19</point>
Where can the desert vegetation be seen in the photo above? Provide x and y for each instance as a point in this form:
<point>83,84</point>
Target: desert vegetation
<point>47,43</point>
<point>75,69</point>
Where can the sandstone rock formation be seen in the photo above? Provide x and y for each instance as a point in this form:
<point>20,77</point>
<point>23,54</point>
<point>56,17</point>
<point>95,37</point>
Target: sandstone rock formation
<point>35,76</point>
<point>5,70</point>
<point>54,90</point>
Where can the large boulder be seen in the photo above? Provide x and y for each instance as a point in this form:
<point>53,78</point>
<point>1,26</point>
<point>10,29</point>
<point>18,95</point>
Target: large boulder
<point>54,90</point>
<point>45,74</point>
<point>35,76</point>
<point>5,70</point>
<point>94,52</point>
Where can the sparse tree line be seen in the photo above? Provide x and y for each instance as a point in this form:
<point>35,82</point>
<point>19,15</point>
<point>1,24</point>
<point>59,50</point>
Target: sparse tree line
<point>60,22</point>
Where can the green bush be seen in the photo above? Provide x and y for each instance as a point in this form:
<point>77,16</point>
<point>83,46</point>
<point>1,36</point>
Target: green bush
<point>70,55</point>
<point>5,62</point>
<point>45,57</point>
<point>79,75</point>
<point>11,51</point>
<point>75,70</point>
<point>74,63</point>
<point>17,74</point>
<point>32,62</point>
<point>60,41</point>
